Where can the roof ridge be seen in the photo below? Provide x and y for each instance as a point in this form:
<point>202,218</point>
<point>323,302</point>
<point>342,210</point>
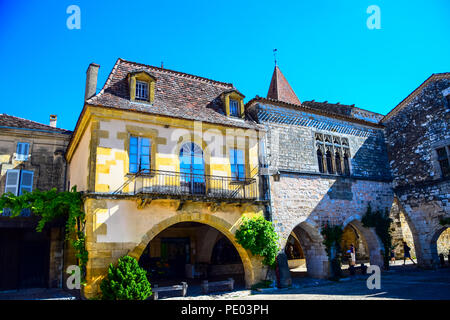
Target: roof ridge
<point>42,124</point>
<point>323,112</point>
<point>179,73</point>
<point>410,97</point>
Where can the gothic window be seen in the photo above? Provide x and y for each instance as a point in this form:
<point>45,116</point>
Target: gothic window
<point>337,160</point>
<point>333,155</point>
<point>329,162</point>
<point>320,161</point>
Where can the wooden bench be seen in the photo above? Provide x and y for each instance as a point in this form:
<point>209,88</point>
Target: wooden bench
<point>208,286</point>
<point>179,287</point>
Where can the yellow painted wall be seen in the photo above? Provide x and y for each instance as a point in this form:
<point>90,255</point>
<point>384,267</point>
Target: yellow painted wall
<point>117,227</point>
<point>108,132</point>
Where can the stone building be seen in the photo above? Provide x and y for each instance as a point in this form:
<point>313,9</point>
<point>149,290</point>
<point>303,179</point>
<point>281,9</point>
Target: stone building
<point>31,157</point>
<point>325,162</point>
<point>168,163</point>
<point>418,144</point>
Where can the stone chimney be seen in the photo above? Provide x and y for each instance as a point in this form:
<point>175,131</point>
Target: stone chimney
<point>53,119</point>
<point>91,80</point>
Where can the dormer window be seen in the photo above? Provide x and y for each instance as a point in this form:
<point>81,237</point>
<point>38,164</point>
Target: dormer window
<point>142,86</point>
<point>141,90</point>
<point>234,108</point>
<point>233,102</point>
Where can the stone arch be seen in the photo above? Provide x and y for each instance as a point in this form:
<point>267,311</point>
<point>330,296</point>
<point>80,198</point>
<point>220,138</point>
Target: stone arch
<point>433,244</point>
<point>415,233</point>
<point>215,222</point>
<point>373,242</point>
<point>311,240</point>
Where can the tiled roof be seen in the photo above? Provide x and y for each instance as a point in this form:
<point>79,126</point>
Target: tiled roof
<point>7,121</point>
<point>177,94</point>
<point>343,112</point>
<point>280,89</point>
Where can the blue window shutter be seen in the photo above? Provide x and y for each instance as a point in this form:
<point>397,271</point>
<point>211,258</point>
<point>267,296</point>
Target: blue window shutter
<point>26,182</point>
<point>12,181</point>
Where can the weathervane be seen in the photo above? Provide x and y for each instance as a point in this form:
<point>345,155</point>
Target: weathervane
<point>275,55</point>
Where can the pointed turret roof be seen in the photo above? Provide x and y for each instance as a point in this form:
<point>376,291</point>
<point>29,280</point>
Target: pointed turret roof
<point>280,89</point>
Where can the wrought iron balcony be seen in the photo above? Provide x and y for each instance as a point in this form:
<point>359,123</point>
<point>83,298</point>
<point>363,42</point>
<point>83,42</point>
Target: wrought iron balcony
<point>170,183</point>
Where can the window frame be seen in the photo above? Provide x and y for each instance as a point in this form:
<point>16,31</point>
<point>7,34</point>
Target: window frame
<point>145,86</point>
<point>22,156</point>
<point>237,114</point>
<point>236,174</point>
<point>444,158</point>
<point>139,154</point>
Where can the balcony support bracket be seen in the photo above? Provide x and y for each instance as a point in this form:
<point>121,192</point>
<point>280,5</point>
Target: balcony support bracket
<point>143,202</point>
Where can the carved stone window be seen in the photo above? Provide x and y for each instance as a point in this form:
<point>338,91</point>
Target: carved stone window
<point>333,154</point>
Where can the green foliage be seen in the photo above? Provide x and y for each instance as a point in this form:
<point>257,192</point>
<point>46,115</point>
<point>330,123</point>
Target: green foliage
<point>258,235</point>
<point>52,205</point>
<point>381,222</point>
<point>127,281</point>
<point>332,236</point>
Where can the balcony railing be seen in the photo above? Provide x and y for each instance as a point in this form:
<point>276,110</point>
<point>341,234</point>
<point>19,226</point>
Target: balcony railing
<point>189,184</point>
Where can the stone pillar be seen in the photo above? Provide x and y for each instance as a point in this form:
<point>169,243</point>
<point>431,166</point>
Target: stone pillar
<point>285,273</point>
<point>56,258</point>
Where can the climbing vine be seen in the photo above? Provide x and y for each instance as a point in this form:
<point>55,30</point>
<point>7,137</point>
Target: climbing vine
<point>381,222</point>
<point>258,235</point>
<point>49,206</point>
<point>332,236</point>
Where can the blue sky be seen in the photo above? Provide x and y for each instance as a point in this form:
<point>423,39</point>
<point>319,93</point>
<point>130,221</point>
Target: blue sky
<point>325,49</point>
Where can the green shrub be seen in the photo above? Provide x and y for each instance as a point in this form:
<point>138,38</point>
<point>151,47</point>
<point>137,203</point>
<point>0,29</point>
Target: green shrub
<point>126,281</point>
<point>258,235</point>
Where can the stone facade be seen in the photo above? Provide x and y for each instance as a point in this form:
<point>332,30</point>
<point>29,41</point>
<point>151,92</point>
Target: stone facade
<point>45,160</point>
<point>415,129</point>
<point>302,197</point>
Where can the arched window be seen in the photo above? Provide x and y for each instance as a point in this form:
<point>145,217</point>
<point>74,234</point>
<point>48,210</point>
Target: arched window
<point>192,168</point>
<point>320,161</point>
<point>329,163</point>
<point>346,165</point>
<point>337,160</point>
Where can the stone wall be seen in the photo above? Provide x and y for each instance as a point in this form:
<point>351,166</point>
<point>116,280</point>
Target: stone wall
<point>46,161</point>
<point>414,130</point>
<point>303,199</point>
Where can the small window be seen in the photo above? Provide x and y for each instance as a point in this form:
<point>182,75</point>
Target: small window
<point>237,164</point>
<point>141,90</point>
<point>234,108</point>
<point>443,162</point>
<point>22,151</point>
<point>140,153</point>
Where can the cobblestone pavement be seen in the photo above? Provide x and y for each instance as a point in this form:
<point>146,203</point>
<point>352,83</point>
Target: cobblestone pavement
<point>399,283</point>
